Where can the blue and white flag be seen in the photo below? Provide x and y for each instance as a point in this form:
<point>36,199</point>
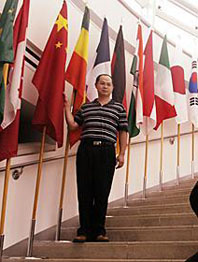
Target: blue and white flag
<point>193,95</point>
<point>101,62</point>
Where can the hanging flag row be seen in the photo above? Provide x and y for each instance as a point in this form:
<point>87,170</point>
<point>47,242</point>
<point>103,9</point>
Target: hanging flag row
<point>154,100</point>
<point>151,101</point>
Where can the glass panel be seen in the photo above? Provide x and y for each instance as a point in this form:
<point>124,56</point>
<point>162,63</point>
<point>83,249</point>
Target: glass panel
<point>171,10</point>
<point>134,6</point>
<point>192,2</point>
<point>173,32</point>
<point>178,13</point>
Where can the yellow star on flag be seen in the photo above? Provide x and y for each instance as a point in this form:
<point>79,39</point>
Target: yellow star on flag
<point>61,22</point>
<point>58,45</point>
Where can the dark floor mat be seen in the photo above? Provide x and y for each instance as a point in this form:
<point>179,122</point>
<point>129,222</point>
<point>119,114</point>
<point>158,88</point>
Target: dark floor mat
<point>193,258</point>
<point>194,199</point>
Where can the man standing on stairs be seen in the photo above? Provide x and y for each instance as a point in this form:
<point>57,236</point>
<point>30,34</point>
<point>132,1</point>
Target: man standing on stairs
<point>100,120</point>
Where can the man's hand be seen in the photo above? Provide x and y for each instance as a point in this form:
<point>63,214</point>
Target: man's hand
<point>123,143</point>
<point>68,115</point>
<point>120,161</point>
<point>66,101</point>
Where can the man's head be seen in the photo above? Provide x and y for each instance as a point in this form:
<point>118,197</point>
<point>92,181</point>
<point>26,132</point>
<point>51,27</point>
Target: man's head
<point>104,85</point>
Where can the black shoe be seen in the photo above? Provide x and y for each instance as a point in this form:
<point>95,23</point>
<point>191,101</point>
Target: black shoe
<point>102,238</point>
<point>80,239</point>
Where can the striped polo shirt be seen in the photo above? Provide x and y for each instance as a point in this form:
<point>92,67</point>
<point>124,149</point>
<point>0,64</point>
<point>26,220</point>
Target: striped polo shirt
<point>101,122</point>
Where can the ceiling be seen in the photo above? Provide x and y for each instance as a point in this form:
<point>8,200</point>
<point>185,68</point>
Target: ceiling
<point>176,18</point>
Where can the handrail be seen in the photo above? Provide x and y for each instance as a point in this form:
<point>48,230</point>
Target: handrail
<point>35,162</point>
<point>165,138</point>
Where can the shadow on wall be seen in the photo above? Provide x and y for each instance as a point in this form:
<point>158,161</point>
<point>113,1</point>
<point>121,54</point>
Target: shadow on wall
<point>27,134</point>
<point>194,205</point>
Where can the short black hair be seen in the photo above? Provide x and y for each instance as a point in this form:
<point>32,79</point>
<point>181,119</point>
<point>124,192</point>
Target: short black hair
<point>98,77</point>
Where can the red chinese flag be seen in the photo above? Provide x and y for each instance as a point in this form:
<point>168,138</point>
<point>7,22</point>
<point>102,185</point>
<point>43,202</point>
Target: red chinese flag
<point>50,81</point>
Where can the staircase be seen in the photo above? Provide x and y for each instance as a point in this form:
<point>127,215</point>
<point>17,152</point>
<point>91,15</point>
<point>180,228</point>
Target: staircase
<point>160,228</point>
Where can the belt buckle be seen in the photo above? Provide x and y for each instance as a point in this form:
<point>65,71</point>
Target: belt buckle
<point>97,143</point>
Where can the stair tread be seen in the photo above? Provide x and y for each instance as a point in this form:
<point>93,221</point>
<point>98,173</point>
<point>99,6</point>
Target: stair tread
<point>165,192</point>
<point>116,250</point>
<point>154,197</point>
<point>124,243</point>
<point>151,206</point>
<point>174,227</point>
<point>154,215</point>
<point>13,259</point>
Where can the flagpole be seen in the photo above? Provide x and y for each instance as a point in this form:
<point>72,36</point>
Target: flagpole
<point>127,174</point>
<point>4,204</point>
<point>161,156</point>
<point>145,168</point>
<point>58,227</point>
<point>6,182</point>
<point>193,152</point>
<point>178,153</point>
<point>60,212</point>
<point>34,211</point>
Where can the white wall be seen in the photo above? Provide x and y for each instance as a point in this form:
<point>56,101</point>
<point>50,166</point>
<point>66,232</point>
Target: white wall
<point>20,198</point>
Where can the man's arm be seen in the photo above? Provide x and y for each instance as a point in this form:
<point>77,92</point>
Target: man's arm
<point>123,144</point>
<point>69,117</point>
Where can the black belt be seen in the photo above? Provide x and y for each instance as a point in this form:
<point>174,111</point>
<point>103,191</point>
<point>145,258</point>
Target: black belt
<point>96,142</point>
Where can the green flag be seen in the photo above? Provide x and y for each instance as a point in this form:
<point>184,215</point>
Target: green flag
<point>6,46</point>
<point>164,95</point>
<point>133,129</point>
<point>6,31</point>
<point>134,65</point>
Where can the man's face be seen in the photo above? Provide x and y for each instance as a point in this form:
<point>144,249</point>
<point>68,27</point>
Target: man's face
<point>104,86</point>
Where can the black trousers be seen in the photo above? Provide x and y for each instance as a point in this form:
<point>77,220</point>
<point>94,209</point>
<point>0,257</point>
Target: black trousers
<point>95,170</point>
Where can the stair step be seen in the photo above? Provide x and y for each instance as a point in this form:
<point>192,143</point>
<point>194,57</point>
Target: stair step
<point>142,233</point>
<point>184,199</point>
<point>171,192</point>
<point>153,209</point>
<point>116,250</point>
<point>88,260</point>
<point>152,220</point>
<point>182,184</point>
<point>147,220</point>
